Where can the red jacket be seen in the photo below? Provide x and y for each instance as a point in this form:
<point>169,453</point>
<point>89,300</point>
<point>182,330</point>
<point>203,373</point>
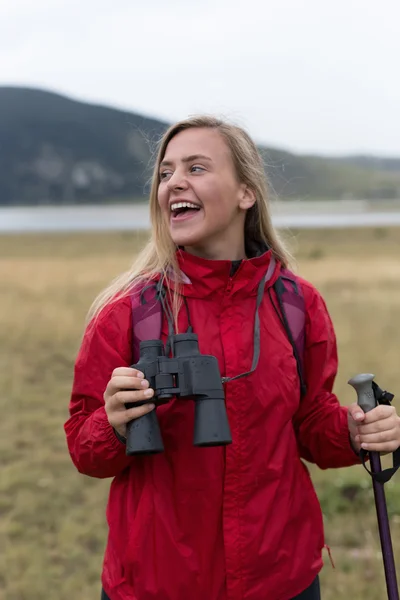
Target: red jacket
<point>240,522</point>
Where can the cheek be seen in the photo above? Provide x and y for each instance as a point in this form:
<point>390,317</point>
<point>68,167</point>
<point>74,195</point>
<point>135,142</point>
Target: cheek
<point>212,196</point>
<point>219,201</point>
<point>162,197</point>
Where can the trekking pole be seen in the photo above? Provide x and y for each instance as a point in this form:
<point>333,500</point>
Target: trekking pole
<point>366,400</point>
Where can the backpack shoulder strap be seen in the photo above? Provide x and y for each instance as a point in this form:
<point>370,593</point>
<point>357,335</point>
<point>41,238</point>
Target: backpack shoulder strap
<point>293,314</point>
<point>146,316</point>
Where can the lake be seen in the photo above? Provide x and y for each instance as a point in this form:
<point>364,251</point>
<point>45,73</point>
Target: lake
<point>123,217</point>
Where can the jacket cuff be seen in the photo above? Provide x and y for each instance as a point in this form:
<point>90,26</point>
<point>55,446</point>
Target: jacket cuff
<point>351,454</point>
<point>108,430</point>
<point>120,437</point>
<point>356,452</point>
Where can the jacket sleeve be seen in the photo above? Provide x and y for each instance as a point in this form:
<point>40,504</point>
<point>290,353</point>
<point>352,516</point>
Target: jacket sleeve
<point>321,422</point>
<point>94,448</point>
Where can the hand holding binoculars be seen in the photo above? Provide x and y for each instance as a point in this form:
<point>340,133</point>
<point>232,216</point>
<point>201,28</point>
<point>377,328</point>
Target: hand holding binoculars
<point>187,375</point>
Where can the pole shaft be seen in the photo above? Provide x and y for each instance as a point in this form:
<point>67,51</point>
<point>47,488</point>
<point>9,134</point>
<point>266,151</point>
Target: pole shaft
<point>384,530</point>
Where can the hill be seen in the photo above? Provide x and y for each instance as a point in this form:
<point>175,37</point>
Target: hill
<point>56,150</point>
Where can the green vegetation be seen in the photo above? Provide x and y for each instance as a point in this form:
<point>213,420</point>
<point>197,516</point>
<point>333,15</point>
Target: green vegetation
<point>52,519</point>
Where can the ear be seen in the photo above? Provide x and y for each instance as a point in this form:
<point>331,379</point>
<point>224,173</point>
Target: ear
<point>247,198</point>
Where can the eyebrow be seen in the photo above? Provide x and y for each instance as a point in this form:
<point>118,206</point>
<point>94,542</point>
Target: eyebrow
<point>187,159</point>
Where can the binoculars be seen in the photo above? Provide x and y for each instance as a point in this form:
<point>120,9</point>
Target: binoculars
<point>187,375</point>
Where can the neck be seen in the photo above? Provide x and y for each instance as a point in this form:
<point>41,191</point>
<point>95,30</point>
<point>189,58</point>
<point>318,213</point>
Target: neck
<point>222,253</point>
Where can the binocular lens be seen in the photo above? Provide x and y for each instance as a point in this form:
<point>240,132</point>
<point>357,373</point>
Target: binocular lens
<point>144,436</point>
<point>186,344</point>
<point>211,427</point>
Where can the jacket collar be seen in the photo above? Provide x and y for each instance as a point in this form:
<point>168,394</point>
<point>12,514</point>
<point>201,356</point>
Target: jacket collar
<point>203,277</point>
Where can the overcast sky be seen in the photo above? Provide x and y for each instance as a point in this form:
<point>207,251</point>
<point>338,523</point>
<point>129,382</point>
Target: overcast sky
<point>305,75</point>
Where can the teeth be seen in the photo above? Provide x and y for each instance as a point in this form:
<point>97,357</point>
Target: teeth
<point>183,205</point>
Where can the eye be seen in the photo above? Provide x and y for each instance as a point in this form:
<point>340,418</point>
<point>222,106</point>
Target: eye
<point>196,168</point>
<point>165,174</point>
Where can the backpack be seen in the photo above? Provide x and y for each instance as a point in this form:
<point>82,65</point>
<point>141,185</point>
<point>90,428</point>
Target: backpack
<point>289,306</point>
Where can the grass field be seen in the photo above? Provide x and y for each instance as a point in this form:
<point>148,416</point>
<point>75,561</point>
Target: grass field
<point>52,523</point>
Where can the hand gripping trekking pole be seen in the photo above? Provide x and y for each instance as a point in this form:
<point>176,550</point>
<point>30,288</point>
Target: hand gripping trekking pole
<point>367,401</point>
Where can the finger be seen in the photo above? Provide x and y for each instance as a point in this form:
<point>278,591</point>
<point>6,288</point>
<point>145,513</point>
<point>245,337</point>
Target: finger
<point>120,382</point>
<point>377,438</point>
<point>356,413</point>
<point>123,417</point>
<point>381,446</point>
<point>126,372</point>
<point>377,426</point>
<point>117,383</point>
<point>378,413</point>
<point>118,400</point>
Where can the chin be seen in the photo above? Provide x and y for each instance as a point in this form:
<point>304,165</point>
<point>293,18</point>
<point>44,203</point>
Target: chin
<point>187,244</point>
<point>187,239</point>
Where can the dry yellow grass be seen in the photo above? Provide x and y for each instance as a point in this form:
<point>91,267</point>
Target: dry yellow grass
<point>52,525</point>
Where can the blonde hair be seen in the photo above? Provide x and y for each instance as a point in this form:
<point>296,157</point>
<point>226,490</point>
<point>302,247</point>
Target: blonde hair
<point>159,255</point>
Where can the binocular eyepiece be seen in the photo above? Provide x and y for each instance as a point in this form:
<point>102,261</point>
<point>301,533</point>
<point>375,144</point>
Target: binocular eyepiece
<point>188,374</point>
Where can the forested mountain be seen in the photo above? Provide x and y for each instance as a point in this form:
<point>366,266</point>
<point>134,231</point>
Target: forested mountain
<point>57,150</point>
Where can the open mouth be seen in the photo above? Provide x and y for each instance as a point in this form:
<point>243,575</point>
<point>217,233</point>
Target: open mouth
<point>183,210</point>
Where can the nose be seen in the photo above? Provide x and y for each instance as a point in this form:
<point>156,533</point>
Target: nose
<point>177,181</point>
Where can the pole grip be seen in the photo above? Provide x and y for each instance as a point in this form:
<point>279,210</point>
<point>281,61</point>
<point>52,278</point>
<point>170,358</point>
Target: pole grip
<point>365,394</point>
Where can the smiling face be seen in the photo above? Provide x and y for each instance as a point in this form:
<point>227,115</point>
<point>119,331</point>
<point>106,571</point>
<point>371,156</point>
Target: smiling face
<point>201,200</point>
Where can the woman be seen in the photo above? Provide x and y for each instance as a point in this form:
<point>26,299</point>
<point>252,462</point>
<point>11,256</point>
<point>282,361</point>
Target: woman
<point>229,522</point>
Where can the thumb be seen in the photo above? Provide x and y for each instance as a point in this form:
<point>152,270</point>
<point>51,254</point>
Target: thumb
<point>356,413</point>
